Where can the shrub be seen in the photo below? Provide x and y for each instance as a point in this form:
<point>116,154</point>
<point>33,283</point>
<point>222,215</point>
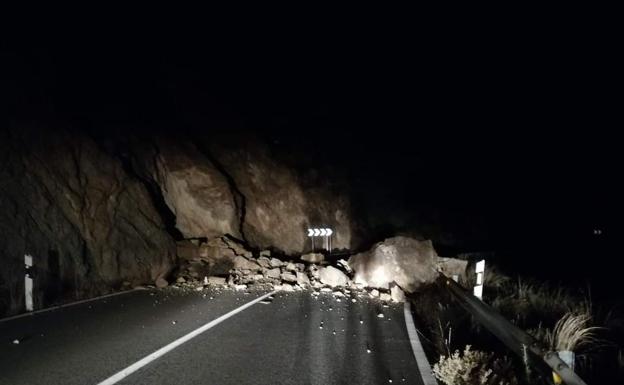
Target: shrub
<point>472,367</point>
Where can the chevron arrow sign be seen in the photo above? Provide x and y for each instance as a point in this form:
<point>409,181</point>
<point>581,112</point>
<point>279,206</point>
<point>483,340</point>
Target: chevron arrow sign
<point>320,232</point>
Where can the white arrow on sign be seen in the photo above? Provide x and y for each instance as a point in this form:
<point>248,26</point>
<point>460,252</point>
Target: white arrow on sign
<point>329,231</point>
<point>323,232</point>
<point>317,232</point>
<point>310,232</point>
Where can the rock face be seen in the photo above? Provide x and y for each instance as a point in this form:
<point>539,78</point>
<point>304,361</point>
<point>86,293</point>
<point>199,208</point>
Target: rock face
<point>88,225</point>
<point>197,194</point>
<point>406,261</point>
<point>97,210</point>
<point>278,206</point>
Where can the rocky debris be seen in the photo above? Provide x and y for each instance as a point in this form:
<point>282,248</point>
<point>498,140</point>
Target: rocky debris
<point>406,261</point>
<point>397,294</point>
<point>386,297</point>
<point>276,262</point>
<point>331,276</point>
<point>243,263</point>
<point>302,279</point>
<point>161,283</point>
<point>313,257</point>
<point>291,266</point>
<point>265,253</point>
<point>264,262</point>
<point>374,293</point>
<point>216,280</point>
<point>288,277</point>
<point>345,265</point>
<point>273,273</point>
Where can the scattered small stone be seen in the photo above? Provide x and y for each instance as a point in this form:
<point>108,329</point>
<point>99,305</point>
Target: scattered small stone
<point>174,322</point>
<point>374,293</point>
<point>353,300</point>
<point>380,315</point>
<point>16,342</point>
<point>265,254</point>
<point>240,287</point>
<point>326,290</point>
<point>180,280</point>
<point>338,293</point>
<point>161,283</point>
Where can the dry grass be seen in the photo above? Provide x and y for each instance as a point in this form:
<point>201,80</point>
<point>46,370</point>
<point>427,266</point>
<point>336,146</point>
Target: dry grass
<point>572,331</point>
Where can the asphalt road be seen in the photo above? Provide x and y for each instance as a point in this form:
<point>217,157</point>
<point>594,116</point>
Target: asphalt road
<point>294,339</point>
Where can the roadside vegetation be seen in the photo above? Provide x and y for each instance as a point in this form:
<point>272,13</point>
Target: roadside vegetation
<point>462,352</point>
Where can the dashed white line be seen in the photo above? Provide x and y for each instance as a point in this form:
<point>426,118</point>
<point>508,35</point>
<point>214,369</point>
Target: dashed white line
<point>419,354</point>
<point>166,349</point>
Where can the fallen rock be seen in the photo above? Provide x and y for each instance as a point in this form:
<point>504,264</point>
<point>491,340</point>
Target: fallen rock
<point>216,280</point>
<point>385,297</point>
<point>314,271</point>
<point>397,294</point>
<point>284,287</point>
<point>302,279</point>
<point>406,261</point>
<point>299,266</point>
<point>333,277</point>
<point>374,293</point>
<point>288,277</point>
<point>161,283</point>
<point>273,273</point>
<point>264,262</point>
<point>291,267</point>
<point>276,262</point>
<point>265,254</point>
<point>180,280</point>
<point>313,257</point>
<point>243,263</point>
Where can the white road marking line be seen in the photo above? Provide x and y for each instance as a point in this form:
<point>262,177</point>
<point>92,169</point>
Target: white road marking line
<point>68,305</point>
<point>166,349</point>
<point>419,354</point>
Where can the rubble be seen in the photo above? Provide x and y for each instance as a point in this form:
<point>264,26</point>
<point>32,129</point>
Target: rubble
<point>333,277</point>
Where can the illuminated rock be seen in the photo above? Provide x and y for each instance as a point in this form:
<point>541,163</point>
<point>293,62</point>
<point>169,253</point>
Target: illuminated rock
<point>406,261</point>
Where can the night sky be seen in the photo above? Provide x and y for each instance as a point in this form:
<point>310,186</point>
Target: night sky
<point>518,141</point>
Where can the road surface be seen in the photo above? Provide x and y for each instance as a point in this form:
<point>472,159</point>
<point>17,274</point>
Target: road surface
<point>296,338</point>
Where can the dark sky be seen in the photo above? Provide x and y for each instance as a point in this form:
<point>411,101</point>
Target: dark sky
<point>519,136</point>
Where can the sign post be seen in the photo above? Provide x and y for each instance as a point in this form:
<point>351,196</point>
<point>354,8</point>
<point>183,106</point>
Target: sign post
<point>28,283</point>
<point>321,232</point>
<point>480,270</point>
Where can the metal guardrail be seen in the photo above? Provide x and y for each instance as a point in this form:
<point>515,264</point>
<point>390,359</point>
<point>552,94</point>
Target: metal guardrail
<point>513,337</point>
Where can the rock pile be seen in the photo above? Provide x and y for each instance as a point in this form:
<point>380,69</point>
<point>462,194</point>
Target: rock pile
<point>225,262</point>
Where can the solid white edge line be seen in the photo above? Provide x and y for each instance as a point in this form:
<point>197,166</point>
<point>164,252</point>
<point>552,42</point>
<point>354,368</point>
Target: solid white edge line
<point>68,304</point>
<point>166,349</point>
<point>419,354</point>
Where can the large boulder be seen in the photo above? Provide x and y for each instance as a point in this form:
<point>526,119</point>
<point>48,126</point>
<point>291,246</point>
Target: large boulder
<point>333,277</point>
<point>406,261</point>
